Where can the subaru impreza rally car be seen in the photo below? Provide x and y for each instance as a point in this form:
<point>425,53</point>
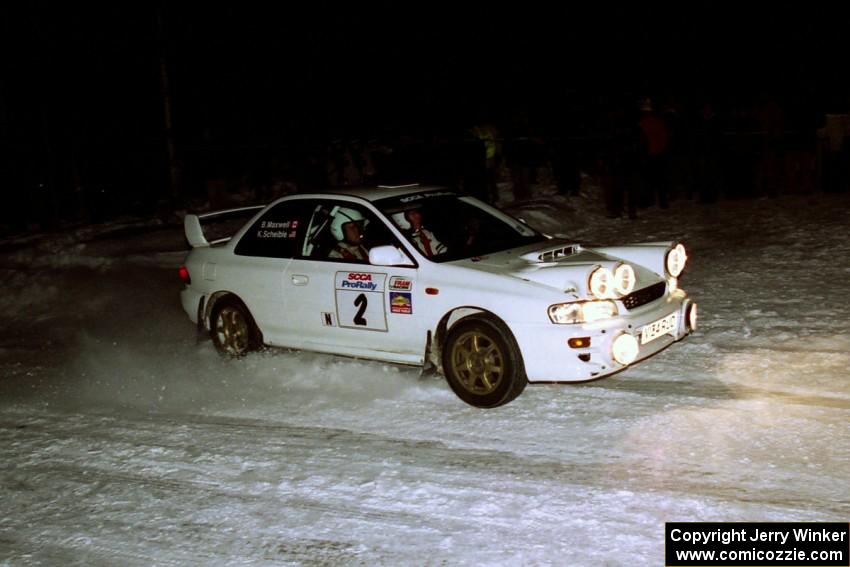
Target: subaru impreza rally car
<point>426,276</point>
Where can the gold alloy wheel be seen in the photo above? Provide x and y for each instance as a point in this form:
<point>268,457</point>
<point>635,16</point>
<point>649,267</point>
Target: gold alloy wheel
<point>232,330</point>
<point>477,362</point>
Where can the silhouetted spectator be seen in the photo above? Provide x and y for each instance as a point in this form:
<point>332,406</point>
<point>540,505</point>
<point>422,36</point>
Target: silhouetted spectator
<point>473,167</point>
<point>312,172</point>
<point>677,149</point>
<point>564,156</point>
<point>619,164</point>
<point>740,173</point>
<point>486,132</point>
<point>336,162</point>
<point>771,118</point>
<point>707,149</point>
<point>564,150</point>
<point>524,153</point>
<point>655,156</point>
<point>834,134</point>
<point>801,146</point>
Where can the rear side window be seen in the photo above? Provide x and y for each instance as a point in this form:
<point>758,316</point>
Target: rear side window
<point>278,233</point>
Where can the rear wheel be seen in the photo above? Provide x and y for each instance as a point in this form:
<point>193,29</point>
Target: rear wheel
<point>232,328</point>
<point>482,362</point>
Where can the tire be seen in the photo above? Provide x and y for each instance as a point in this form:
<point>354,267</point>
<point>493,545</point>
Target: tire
<point>482,362</point>
<point>232,328</point>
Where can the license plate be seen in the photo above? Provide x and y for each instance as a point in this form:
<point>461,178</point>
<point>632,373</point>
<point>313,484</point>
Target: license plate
<point>658,328</point>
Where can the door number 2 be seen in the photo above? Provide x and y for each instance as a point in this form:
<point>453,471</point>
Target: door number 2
<point>360,302</point>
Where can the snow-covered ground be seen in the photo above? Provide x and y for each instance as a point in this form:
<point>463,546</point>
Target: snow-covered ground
<point>123,441</point>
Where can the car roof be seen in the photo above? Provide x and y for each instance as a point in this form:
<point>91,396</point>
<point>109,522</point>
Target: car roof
<point>376,192</point>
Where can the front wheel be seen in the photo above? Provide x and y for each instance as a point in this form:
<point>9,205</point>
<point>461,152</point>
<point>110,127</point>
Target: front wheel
<point>232,328</point>
<point>482,362</point>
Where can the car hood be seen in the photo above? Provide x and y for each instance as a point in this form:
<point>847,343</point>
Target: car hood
<point>560,265</point>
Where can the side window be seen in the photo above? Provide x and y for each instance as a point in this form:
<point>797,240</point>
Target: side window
<point>278,233</point>
<point>339,231</point>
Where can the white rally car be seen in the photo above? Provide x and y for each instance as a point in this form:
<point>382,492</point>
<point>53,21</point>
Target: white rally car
<point>425,276</point>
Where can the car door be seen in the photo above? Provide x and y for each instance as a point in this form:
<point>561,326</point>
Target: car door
<point>256,271</point>
<point>347,306</point>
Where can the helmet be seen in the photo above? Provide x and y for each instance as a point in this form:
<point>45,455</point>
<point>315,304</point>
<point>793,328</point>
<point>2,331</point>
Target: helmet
<point>400,219</point>
<point>342,216</point>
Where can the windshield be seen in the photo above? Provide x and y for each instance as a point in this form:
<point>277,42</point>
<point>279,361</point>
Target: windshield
<point>445,226</point>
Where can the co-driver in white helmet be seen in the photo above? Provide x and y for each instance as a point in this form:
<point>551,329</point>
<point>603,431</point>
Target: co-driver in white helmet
<point>347,228</point>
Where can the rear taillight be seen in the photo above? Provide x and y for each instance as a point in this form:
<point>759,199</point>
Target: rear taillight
<point>184,275</point>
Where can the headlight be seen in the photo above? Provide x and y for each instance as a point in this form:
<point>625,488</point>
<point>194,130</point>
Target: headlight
<point>566,313</point>
<point>601,283</point>
<point>581,312</point>
<point>597,310</point>
<point>624,279</point>
<point>676,260</point>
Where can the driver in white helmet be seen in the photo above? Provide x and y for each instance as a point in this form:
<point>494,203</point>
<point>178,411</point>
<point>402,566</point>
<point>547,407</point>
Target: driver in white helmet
<point>410,221</point>
<point>347,228</point>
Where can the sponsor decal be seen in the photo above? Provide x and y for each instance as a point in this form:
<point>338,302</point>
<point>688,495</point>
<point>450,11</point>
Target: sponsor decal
<point>420,196</point>
<point>401,302</point>
<point>399,283</point>
<point>359,280</point>
<point>360,301</point>
<point>368,286</point>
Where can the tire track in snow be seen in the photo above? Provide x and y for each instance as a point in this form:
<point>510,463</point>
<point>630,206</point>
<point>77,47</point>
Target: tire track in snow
<point>223,445</point>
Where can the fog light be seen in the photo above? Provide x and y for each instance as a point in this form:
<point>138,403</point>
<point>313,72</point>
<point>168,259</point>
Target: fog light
<point>625,349</point>
<point>692,316</point>
<point>579,342</point>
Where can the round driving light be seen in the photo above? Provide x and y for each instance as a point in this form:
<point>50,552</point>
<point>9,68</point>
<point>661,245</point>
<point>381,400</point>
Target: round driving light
<point>683,255</point>
<point>692,316</point>
<point>624,279</point>
<point>625,349</point>
<point>601,283</point>
<point>676,259</point>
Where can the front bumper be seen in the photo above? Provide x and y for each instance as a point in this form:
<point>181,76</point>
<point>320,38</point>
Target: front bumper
<point>549,358</point>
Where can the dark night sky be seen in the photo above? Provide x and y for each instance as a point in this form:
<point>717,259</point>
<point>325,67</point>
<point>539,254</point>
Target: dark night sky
<point>87,79</point>
<point>263,70</point>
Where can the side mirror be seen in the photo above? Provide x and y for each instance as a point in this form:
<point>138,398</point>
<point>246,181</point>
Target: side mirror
<point>388,256</point>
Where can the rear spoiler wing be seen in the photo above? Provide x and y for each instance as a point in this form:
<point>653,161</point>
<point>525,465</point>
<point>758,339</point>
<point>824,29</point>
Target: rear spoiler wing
<point>194,232</point>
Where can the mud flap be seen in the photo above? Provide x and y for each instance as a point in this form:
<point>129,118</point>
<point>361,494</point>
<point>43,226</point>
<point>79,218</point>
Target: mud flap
<point>429,369</point>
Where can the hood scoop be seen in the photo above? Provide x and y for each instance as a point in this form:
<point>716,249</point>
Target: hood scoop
<point>553,254</point>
